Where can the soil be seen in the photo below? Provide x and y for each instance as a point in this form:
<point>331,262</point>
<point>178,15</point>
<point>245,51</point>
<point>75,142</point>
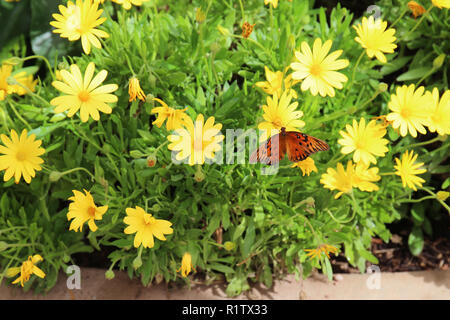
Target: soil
<point>395,255</point>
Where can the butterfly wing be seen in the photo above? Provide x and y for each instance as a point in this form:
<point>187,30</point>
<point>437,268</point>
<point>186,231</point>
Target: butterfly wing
<point>300,145</point>
<point>271,151</point>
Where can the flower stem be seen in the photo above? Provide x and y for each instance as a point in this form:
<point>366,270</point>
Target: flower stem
<point>419,22</point>
<point>242,10</point>
<point>354,69</point>
<point>19,116</point>
<point>420,144</point>
<point>45,60</point>
<point>401,16</point>
<point>436,197</point>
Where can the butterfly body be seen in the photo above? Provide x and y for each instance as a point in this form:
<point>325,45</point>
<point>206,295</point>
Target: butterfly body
<point>297,145</point>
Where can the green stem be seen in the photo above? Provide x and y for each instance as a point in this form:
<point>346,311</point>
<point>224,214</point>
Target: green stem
<point>429,73</point>
<point>242,10</point>
<point>419,22</point>
<point>401,16</point>
<point>45,60</point>
<point>436,197</point>
<point>420,144</point>
<point>416,200</point>
<point>19,116</point>
<point>354,69</point>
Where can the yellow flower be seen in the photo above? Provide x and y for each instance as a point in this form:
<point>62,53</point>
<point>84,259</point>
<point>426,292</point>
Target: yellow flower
<point>274,83</point>
<point>175,117</point>
<point>186,265</point>
<point>80,21</point>
<point>5,88</point>
<point>340,179</point>
<point>279,113</point>
<point>366,141</point>
<point>344,180</point>
<point>306,165</point>
<point>83,209</point>
<point>126,4</point>
<point>196,142</point>
<point>317,68</point>
<point>373,36</point>
<point>25,81</point>
<point>441,3</point>
<point>325,248</point>
<point>363,177</point>
<point>442,195</point>
<point>84,94</point>
<point>274,3</point>
<point>134,90</point>
<point>26,270</point>
<point>200,15</point>
<point>416,9</point>
<point>439,112</point>
<point>408,170</point>
<point>409,108</point>
<point>146,227</point>
<point>21,156</point>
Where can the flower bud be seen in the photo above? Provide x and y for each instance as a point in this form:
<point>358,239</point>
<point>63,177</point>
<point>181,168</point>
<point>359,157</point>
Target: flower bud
<point>136,154</point>
<point>109,275</point>
<point>156,207</point>
<point>3,246</point>
<point>223,31</point>
<point>13,61</point>
<point>199,175</point>
<point>55,176</point>
<point>382,87</point>
<point>151,160</point>
<point>66,258</point>
<point>442,195</point>
<point>200,16</point>
<point>439,61</point>
<point>137,262</point>
<point>228,245</point>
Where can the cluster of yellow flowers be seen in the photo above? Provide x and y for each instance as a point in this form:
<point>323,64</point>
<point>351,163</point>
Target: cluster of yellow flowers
<point>317,70</point>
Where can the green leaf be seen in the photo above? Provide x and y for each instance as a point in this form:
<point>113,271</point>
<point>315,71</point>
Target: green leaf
<point>415,241</point>
<point>414,74</point>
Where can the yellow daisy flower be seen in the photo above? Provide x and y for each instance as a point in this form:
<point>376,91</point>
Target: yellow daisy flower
<point>5,88</point>
<point>146,227</point>
<point>126,4</point>
<point>21,156</point>
<point>84,93</point>
<point>306,165</point>
<point>363,177</point>
<point>279,113</point>
<point>344,180</point>
<point>186,265</point>
<point>409,108</point>
<point>26,270</point>
<point>196,142</point>
<point>441,3</point>
<point>134,90</point>
<point>274,83</point>
<point>25,81</point>
<point>373,36</point>
<point>416,9</point>
<point>408,170</point>
<point>80,21</point>
<point>317,68</point>
<point>175,117</point>
<point>340,179</point>
<point>325,248</point>
<point>439,112</point>
<point>83,209</point>
<point>274,3</point>
<point>365,141</point>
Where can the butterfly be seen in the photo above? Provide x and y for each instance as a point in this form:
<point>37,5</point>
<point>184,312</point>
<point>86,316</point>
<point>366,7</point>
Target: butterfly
<point>297,145</point>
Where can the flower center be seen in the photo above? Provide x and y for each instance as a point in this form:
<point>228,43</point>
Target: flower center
<point>21,155</point>
<point>315,69</point>
<point>84,96</point>
<point>277,122</point>
<point>405,113</point>
<point>91,211</point>
<point>148,219</point>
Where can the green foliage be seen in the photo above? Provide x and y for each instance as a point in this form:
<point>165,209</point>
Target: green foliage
<point>270,219</point>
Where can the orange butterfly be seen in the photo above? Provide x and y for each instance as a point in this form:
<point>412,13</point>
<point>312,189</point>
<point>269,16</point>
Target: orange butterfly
<point>297,145</point>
